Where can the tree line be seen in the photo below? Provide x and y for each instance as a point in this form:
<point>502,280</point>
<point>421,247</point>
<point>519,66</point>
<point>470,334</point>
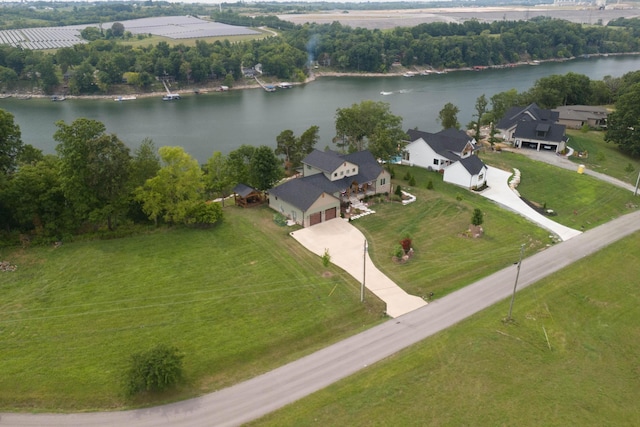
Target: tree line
<point>94,182</point>
<point>107,60</point>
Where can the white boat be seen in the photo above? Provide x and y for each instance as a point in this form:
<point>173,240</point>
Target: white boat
<point>171,97</point>
<point>386,93</point>
<point>285,85</point>
<point>57,98</point>
<point>409,74</point>
<point>125,98</point>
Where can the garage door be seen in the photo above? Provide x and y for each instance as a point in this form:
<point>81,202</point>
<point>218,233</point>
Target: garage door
<point>330,214</point>
<point>315,218</point>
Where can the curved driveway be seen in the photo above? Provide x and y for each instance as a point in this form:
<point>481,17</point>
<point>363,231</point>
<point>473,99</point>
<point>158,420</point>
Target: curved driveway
<point>500,192</point>
<point>346,248</point>
<point>259,396</point>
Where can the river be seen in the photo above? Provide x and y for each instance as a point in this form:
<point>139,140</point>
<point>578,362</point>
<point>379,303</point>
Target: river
<point>222,121</point>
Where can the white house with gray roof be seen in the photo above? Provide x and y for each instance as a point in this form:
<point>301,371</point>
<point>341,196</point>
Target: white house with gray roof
<point>329,178</point>
<point>436,151</point>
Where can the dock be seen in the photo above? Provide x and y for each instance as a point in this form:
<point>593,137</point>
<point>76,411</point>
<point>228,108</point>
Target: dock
<point>268,88</point>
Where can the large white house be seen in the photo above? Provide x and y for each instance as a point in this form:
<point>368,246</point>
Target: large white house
<point>329,178</point>
<point>436,151</point>
<point>450,151</point>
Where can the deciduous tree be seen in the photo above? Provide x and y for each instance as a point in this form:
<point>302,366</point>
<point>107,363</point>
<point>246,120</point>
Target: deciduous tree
<point>176,189</point>
<point>10,142</point>
<point>358,124</point>
<point>448,116</point>
<point>623,124</point>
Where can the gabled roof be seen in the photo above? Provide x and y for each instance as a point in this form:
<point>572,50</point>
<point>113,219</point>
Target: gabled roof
<point>299,192</point>
<point>243,190</point>
<point>529,130</point>
<point>472,164</point>
<point>326,161</point>
<point>529,113</point>
<point>303,192</point>
<point>446,143</point>
<point>368,167</point>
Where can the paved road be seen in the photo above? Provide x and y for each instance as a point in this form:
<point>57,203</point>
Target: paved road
<point>259,396</point>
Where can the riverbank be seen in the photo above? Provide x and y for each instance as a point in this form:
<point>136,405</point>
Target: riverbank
<point>397,71</point>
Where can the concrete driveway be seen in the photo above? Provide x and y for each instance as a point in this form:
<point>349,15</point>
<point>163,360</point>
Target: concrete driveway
<point>346,247</point>
<point>500,192</point>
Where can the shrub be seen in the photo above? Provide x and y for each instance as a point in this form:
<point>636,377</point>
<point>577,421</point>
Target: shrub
<point>326,258</point>
<point>629,168</point>
<point>407,176</point>
<point>398,191</point>
<point>477,217</point>
<point>154,370</point>
<point>398,252</point>
<point>412,181</point>
<point>430,185</point>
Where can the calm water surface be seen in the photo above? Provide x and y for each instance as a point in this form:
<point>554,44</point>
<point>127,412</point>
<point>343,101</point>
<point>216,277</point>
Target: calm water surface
<point>222,122</point>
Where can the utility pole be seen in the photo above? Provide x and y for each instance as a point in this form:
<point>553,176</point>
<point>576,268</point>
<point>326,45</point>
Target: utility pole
<point>364,270</point>
<point>635,193</point>
<point>515,285</point>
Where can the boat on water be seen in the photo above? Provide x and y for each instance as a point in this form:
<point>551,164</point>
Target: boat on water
<point>171,97</point>
<point>285,85</point>
<point>125,98</point>
<point>269,88</point>
<point>386,93</point>
<point>409,74</point>
<point>58,98</point>
<point>5,96</point>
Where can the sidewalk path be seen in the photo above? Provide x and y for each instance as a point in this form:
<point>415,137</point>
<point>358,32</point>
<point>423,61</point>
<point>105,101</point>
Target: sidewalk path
<point>500,192</point>
<point>346,248</point>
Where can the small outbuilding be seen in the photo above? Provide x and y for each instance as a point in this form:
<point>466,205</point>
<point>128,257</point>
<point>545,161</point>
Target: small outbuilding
<point>246,196</point>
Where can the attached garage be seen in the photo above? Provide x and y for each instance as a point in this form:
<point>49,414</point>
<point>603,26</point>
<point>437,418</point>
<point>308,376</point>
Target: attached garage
<point>330,213</point>
<point>315,218</point>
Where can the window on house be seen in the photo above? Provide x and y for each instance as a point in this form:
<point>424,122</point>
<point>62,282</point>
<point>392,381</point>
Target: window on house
<point>436,161</point>
<point>335,174</point>
<point>341,173</point>
<point>353,170</point>
<point>383,181</point>
<point>480,176</point>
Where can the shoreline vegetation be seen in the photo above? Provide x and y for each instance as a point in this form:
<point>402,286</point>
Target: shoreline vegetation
<point>315,74</point>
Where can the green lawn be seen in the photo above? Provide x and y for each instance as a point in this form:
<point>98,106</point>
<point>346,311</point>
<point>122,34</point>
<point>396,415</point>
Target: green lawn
<point>445,259</point>
<point>238,300</point>
<point>486,373</point>
<point>603,157</point>
<point>578,200</point>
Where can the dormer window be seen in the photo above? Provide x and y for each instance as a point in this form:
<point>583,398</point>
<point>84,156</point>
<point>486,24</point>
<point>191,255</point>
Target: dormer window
<point>335,175</point>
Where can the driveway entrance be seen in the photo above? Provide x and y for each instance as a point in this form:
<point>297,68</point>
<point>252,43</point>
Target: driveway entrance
<point>346,247</point>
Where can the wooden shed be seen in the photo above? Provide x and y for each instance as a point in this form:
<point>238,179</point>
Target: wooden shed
<point>246,196</point>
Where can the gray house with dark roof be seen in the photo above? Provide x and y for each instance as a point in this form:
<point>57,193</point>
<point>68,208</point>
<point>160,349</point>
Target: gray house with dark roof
<point>577,116</point>
<point>533,127</point>
<point>329,178</point>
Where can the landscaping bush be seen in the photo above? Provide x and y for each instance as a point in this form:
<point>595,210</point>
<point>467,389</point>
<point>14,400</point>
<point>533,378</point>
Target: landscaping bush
<point>412,181</point>
<point>398,191</point>
<point>154,370</point>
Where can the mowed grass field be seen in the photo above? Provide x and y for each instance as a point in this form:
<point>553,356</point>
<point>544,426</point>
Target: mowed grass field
<point>445,259</point>
<point>569,359</point>
<point>579,200</point>
<point>237,300</point>
<point>603,157</point>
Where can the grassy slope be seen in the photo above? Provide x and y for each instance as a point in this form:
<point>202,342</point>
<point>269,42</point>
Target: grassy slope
<point>578,200</point>
<point>237,300</point>
<point>603,157</point>
<point>483,372</point>
<point>444,259</point>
